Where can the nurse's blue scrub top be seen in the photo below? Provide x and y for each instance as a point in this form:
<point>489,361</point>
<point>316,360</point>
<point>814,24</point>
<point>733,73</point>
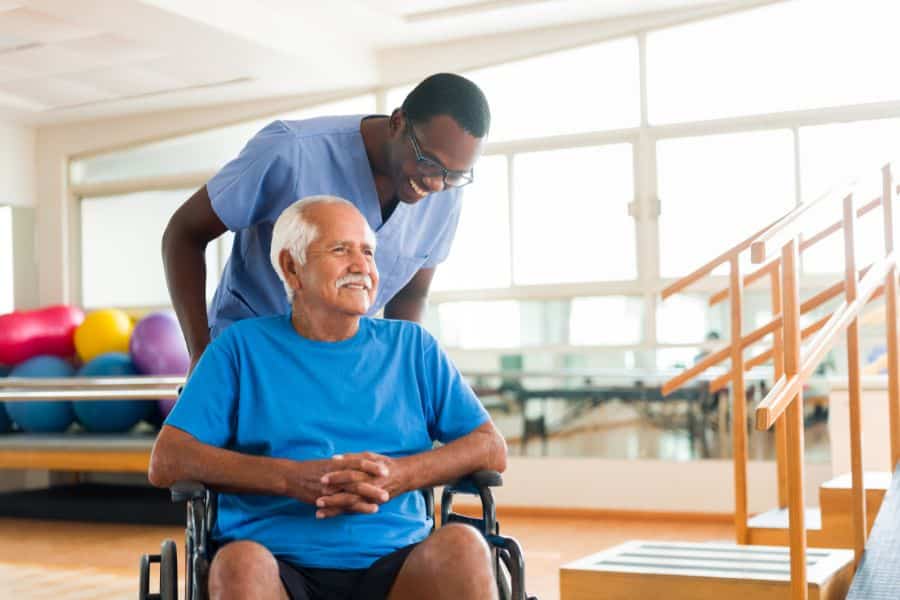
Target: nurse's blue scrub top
<point>289,160</point>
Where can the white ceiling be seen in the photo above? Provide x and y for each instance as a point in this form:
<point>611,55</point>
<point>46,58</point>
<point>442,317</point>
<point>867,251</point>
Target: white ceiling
<point>64,60</point>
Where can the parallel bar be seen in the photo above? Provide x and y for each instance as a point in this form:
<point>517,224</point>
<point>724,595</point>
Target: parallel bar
<point>738,404</point>
<point>796,508</point>
<point>98,394</point>
<point>858,501</point>
<point>890,286</point>
<point>90,382</point>
<point>778,363</point>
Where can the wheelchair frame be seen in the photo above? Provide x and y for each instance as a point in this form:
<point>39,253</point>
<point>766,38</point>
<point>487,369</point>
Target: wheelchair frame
<point>507,558</point>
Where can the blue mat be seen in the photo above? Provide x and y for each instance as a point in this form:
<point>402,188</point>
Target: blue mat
<point>878,576</point>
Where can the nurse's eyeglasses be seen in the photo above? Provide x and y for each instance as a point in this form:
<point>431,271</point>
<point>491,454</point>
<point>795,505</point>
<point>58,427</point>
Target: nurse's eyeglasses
<point>431,168</point>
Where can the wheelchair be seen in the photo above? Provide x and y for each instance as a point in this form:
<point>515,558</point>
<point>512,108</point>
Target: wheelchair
<point>508,561</point>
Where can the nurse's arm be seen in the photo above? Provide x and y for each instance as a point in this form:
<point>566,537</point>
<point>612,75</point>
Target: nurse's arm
<point>184,242</point>
<point>409,303</point>
<point>179,456</point>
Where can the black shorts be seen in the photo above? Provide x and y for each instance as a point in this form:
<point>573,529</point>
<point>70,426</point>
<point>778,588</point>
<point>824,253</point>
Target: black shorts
<point>374,583</point>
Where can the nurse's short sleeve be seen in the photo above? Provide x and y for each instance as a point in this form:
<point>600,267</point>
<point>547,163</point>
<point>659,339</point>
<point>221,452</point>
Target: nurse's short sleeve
<point>453,409</point>
<point>207,406</point>
<point>250,188</point>
<point>444,241</point>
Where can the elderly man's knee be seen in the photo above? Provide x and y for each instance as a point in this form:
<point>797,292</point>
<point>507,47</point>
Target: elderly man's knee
<point>240,564</point>
<point>458,545</point>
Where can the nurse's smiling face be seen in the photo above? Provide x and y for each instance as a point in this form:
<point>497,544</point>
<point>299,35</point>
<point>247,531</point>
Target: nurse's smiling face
<point>431,156</point>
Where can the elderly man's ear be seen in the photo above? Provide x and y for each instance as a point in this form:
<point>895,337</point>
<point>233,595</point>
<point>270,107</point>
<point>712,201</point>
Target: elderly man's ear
<point>290,269</point>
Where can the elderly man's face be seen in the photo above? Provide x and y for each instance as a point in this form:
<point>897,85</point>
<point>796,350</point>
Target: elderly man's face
<point>340,272</point>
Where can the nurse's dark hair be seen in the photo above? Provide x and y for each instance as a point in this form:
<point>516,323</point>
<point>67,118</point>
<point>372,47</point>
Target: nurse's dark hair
<point>451,95</point>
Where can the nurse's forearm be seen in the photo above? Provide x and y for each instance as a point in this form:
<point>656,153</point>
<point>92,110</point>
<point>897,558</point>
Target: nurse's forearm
<point>407,309</point>
<point>185,266</point>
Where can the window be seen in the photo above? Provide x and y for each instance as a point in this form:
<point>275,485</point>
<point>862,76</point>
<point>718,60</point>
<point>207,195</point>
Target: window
<point>606,320</point>
<point>789,56</point>
<point>542,96</point>
<point>480,324</point>
<point>6,261</point>
<point>205,151</point>
<point>570,216</point>
<point>718,190</point>
<point>480,256</point>
<point>828,155</point>
<point>121,264</point>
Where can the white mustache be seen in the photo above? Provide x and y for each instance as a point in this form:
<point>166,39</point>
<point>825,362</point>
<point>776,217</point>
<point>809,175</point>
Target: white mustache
<point>356,278</point>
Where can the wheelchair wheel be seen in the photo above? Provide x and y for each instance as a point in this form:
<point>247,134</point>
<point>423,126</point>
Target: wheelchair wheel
<point>168,571</point>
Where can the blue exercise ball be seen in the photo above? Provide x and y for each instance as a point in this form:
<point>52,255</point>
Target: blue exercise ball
<point>43,416</point>
<point>5,423</point>
<point>107,416</point>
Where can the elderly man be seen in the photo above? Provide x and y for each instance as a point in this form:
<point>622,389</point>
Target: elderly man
<point>319,425</point>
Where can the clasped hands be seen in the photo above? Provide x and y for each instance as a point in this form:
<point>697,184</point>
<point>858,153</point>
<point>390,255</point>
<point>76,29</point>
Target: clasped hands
<point>358,483</point>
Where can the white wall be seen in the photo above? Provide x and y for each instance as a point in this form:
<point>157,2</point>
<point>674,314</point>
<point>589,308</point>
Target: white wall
<point>17,164</point>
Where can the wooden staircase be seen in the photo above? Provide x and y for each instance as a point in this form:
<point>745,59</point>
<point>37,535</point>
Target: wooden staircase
<point>848,504</point>
<point>830,525</point>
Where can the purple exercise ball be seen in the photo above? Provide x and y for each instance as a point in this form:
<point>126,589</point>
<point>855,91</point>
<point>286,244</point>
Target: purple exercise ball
<point>157,346</point>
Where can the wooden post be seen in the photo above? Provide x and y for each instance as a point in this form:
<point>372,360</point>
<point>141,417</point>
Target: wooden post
<point>794,412</point>
<point>890,295</point>
<point>738,403</point>
<point>858,497</point>
<point>778,364</point>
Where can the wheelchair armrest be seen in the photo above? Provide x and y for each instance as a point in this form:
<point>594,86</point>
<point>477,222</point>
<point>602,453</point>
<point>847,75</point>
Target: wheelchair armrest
<point>187,490</point>
<point>474,483</point>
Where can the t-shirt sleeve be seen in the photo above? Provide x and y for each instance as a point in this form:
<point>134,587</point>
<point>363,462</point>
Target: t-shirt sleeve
<point>441,249</point>
<point>245,191</point>
<point>207,406</point>
<point>454,408</point>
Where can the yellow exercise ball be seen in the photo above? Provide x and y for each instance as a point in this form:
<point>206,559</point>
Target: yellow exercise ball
<point>107,330</point>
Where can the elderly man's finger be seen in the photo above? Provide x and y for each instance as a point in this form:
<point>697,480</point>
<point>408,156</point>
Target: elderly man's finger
<point>365,490</point>
<point>365,467</point>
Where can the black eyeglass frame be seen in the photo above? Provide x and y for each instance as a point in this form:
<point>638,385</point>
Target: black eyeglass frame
<point>431,168</point>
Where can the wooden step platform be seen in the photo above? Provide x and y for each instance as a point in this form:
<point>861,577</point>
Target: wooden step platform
<point>830,525</point>
<point>695,571</point>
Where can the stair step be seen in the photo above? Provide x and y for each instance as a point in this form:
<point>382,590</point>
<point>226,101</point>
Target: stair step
<point>701,571</point>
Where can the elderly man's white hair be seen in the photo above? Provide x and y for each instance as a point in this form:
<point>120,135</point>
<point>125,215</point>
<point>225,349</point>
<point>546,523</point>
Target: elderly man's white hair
<point>294,232</point>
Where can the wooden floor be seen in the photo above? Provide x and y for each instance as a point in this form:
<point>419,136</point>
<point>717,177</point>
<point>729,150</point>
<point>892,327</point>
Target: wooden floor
<point>65,561</point>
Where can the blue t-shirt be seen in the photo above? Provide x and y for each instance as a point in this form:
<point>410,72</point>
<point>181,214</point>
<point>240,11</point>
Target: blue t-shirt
<point>262,389</point>
<point>289,160</point>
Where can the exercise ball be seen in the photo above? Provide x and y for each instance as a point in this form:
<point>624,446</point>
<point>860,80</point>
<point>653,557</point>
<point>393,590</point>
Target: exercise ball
<point>103,331</point>
<point>41,332</point>
<point>107,416</point>
<point>42,416</point>
<point>157,346</point>
<point>5,423</point>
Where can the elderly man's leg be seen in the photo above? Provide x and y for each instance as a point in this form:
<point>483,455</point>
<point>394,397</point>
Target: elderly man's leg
<point>245,570</point>
<point>454,562</point>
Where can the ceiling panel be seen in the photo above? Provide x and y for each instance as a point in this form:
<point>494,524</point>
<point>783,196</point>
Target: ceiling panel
<point>127,80</point>
<point>111,48</point>
<point>54,92</point>
<point>48,60</point>
<point>36,26</point>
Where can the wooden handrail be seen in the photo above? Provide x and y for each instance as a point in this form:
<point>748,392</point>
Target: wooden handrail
<point>774,404</point>
<point>758,252</point>
<point>721,382</point>
<point>708,268</point>
<point>774,261</point>
<point>719,355</point>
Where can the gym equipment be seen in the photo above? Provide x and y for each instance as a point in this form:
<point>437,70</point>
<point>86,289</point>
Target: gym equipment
<point>42,417</point>
<point>45,331</point>
<point>106,416</point>
<point>103,331</point>
<point>157,346</point>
